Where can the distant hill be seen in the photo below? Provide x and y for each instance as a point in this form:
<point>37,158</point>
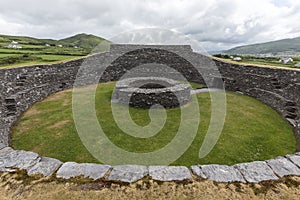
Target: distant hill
<point>279,47</point>
<point>84,41</point>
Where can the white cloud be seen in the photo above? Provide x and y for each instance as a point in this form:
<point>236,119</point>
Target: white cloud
<point>218,24</point>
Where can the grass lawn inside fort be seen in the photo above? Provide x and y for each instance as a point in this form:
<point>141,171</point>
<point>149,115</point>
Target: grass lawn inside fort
<point>252,130</point>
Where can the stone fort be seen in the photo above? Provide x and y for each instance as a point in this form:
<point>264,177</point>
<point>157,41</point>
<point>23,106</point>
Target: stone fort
<point>23,86</point>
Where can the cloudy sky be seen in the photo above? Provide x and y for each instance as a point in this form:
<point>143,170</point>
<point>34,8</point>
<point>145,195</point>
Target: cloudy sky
<point>216,24</point>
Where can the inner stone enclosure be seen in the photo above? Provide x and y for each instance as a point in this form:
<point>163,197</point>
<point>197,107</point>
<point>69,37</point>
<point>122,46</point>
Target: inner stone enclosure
<point>146,92</point>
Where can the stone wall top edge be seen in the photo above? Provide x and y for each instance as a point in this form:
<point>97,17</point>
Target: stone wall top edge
<point>131,47</point>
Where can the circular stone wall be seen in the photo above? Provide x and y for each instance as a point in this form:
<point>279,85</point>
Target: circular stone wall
<point>23,86</point>
<point>145,92</point>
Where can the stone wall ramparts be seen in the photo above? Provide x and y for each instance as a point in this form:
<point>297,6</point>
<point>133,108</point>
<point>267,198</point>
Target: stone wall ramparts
<point>21,87</point>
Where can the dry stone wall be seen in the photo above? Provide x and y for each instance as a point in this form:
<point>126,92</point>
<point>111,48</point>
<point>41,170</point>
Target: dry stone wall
<point>22,87</point>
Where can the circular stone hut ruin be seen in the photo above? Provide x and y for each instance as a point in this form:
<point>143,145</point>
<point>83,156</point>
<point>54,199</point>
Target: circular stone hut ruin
<point>145,92</point>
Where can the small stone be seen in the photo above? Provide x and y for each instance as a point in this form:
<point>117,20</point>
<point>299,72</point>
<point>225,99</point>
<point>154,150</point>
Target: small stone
<point>292,122</point>
<point>295,158</point>
<point>88,170</point>
<point>222,173</point>
<point>283,167</point>
<point>127,173</point>
<point>46,167</point>
<point>256,171</point>
<point>18,159</point>
<point>198,171</point>
<point>169,173</point>
<point>2,146</point>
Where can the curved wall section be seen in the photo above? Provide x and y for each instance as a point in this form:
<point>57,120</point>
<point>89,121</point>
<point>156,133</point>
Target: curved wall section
<point>21,87</point>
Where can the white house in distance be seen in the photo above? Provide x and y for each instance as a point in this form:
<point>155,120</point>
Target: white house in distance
<point>47,45</point>
<point>237,59</point>
<point>298,64</point>
<point>59,45</point>
<point>286,60</point>
<point>14,45</point>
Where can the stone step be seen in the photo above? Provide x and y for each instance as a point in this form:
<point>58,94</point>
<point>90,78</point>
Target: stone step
<point>11,107</point>
<point>10,101</point>
<point>292,122</point>
<point>22,77</point>
<point>20,84</point>
<point>9,114</point>
<point>291,109</point>
<point>291,115</point>
<point>290,103</point>
<point>275,83</point>
<point>278,87</point>
<point>274,79</point>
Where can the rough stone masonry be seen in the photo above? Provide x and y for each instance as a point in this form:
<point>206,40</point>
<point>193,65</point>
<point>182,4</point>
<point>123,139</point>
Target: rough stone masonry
<point>22,87</point>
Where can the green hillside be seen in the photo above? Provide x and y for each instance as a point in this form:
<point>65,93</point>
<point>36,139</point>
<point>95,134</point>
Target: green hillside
<point>44,51</point>
<point>279,47</point>
<point>83,40</point>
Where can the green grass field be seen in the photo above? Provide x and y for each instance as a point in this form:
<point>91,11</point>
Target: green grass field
<point>39,53</point>
<point>12,57</point>
<point>15,60</point>
<point>253,131</point>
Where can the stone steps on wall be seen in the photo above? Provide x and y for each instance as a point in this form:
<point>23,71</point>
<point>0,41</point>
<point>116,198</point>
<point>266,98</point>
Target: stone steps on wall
<point>291,115</point>
<point>11,106</point>
<point>276,83</point>
<point>21,79</point>
<point>291,110</point>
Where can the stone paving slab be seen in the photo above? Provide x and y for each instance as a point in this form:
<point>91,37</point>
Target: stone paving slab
<point>256,171</point>
<point>46,167</point>
<point>222,173</point>
<point>198,171</point>
<point>88,170</point>
<point>5,150</point>
<point>18,159</point>
<point>294,158</point>
<point>128,173</point>
<point>283,167</point>
<point>169,173</point>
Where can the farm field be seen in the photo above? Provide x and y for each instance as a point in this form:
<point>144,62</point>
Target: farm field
<point>21,51</point>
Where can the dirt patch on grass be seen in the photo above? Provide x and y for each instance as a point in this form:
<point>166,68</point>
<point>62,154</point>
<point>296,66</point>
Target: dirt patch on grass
<point>14,187</point>
<point>57,96</point>
<point>59,124</point>
<point>66,102</point>
<point>31,112</point>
